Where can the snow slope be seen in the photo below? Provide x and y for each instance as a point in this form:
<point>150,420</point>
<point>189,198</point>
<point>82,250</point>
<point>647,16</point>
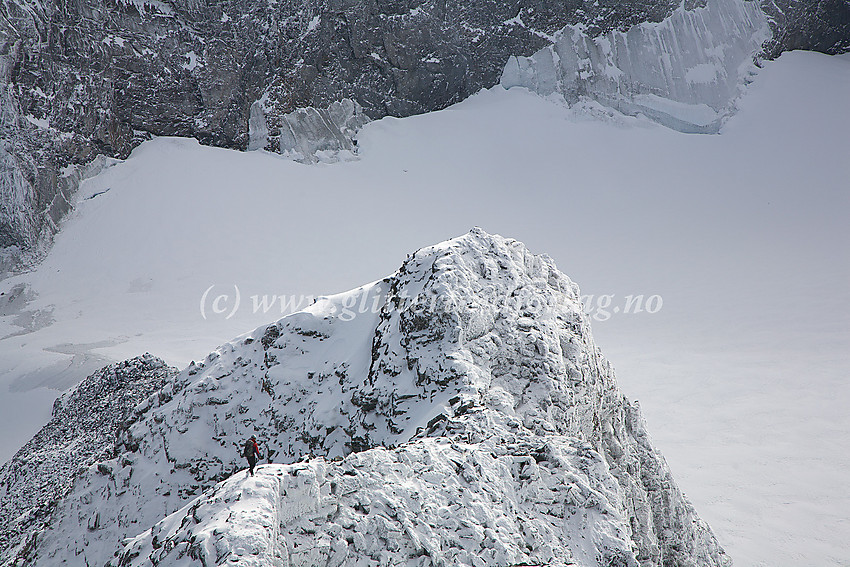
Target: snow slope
<point>742,374</point>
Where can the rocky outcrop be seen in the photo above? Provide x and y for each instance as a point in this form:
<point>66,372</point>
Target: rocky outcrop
<point>472,366</point>
<point>817,25</point>
<point>82,432</point>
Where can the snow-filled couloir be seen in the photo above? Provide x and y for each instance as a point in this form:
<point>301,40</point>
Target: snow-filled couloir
<point>456,412</point>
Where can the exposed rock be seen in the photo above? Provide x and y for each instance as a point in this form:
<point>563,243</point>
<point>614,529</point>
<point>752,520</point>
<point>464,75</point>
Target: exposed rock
<point>815,25</point>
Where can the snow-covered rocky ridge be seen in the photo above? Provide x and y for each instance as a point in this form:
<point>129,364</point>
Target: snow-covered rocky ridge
<point>456,412</point>
<point>80,434</point>
<point>683,72</point>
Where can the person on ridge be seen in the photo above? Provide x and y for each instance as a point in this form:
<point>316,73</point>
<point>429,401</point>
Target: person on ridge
<point>252,453</point>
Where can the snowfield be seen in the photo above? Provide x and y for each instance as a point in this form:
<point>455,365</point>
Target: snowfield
<point>742,373</point>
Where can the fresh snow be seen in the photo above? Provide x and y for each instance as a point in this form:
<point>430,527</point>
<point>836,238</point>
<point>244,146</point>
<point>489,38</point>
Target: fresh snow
<point>193,62</point>
<point>742,374</point>
<point>702,73</point>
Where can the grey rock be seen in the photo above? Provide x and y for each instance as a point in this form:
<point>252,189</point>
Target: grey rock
<point>818,25</point>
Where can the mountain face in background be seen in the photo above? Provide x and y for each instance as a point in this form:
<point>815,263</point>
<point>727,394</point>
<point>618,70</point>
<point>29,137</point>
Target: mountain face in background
<point>818,25</point>
<point>83,79</point>
<point>455,412</point>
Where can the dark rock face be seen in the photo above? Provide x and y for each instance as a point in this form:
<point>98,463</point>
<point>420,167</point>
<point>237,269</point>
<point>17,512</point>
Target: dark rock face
<point>82,78</point>
<point>82,431</point>
<point>819,25</point>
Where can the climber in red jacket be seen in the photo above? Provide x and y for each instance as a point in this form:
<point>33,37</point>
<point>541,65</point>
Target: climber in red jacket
<point>252,453</point>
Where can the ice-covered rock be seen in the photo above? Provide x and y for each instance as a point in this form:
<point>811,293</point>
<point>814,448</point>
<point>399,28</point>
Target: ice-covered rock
<point>504,500</point>
<point>457,412</point>
<point>683,72</point>
<point>311,134</point>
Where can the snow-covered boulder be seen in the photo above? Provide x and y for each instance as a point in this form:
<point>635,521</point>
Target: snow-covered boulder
<point>457,412</point>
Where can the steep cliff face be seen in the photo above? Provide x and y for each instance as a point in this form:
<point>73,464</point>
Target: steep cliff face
<point>471,373</point>
<point>818,25</point>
